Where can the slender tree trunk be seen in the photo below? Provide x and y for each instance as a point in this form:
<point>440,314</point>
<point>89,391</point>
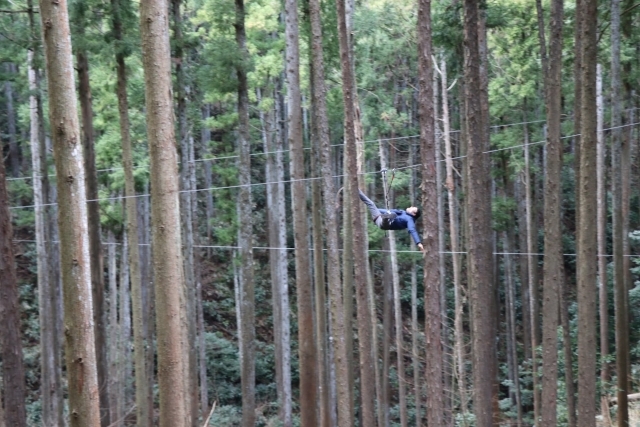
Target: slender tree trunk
<point>306,342</point>
<point>601,153</point>
<point>478,204</point>
<point>367,386</point>
<point>568,354</point>
<point>13,379</point>
<point>167,239</point>
<point>144,415</point>
<point>511,321</point>
<point>276,217</point>
<point>433,317</point>
<point>125,368</point>
<point>337,318</point>
<point>586,260</point>
<point>84,407</point>
<point>183,140</point>
<point>553,263</point>
<point>245,233</point>
<point>621,291</point>
<point>95,245</point>
<point>324,405</point>
<point>114,352</point>
<point>531,279</point>
<point>49,356</point>
<point>455,247</point>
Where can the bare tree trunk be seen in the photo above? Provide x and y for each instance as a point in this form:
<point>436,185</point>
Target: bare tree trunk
<point>602,243</point>
<point>586,245</point>
<point>124,340</point>
<point>306,342</point>
<point>95,244</point>
<point>49,356</point>
<point>531,279</point>
<point>143,410</point>
<point>276,217</point>
<point>480,253</point>
<point>324,405</point>
<point>114,352</point>
<point>367,386</point>
<point>568,354</point>
<point>167,239</point>
<point>511,324</point>
<point>337,319</point>
<point>455,247</point>
<point>183,140</point>
<point>433,316</point>
<point>553,264</point>
<point>84,407</point>
<point>621,291</point>
<point>245,233</point>
<point>13,379</point>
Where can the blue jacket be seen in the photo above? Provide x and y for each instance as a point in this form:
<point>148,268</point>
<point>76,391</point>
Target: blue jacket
<point>403,220</point>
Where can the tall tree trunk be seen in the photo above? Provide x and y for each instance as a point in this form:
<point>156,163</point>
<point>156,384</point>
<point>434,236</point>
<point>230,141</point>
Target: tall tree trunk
<point>144,414</point>
<point>13,379</point>
<point>397,309</point>
<point>306,342</point>
<point>245,233</point>
<point>167,239</point>
<point>479,227</point>
<point>586,260</point>
<point>14,153</point>
<point>95,244</point>
<point>125,367</point>
<point>324,405</point>
<point>553,265</point>
<point>367,386</point>
<point>455,248</point>
<point>276,217</point>
<point>114,354</point>
<point>84,407</point>
<point>183,140</point>
<point>568,354</point>
<point>601,153</point>
<point>532,280</point>
<point>50,370</point>
<point>337,318</point>
<point>621,291</point>
<point>434,362</point>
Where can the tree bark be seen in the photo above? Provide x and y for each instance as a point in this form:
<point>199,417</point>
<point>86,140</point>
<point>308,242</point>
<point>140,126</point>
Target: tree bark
<point>50,370</point>
<point>144,414</point>
<point>276,217</point>
<point>306,342</point>
<point>166,235</point>
<point>553,263</point>
<point>367,386</point>
<point>95,244</point>
<point>601,153</point>
<point>245,233</point>
<point>84,405</point>
<point>586,260</point>
<point>337,318</point>
<point>479,227</point>
<point>114,352</point>
<point>434,362</point>
<point>623,369</point>
<point>13,379</point>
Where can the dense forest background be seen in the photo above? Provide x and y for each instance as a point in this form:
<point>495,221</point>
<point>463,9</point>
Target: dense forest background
<point>511,123</point>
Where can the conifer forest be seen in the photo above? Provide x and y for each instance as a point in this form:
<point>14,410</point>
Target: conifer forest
<point>193,228</point>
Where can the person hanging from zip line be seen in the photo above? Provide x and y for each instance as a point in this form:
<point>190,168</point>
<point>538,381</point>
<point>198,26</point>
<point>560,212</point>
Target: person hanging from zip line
<point>394,219</point>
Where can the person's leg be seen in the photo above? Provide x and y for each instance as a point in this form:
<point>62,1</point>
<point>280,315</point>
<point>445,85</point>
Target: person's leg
<point>373,209</point>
